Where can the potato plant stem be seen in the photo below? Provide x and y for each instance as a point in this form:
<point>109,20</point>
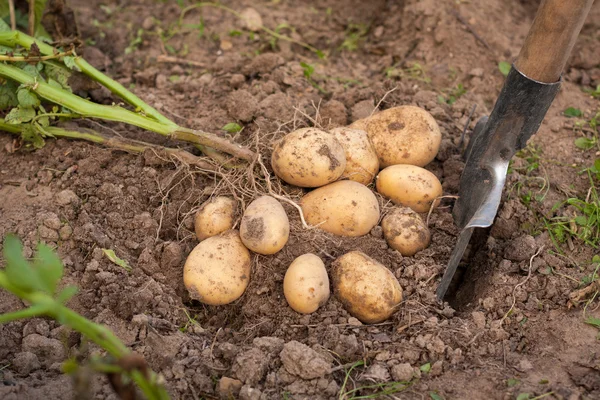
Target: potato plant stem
<point>86,108</point>
<point>18,38</point>
<point>128,145</point>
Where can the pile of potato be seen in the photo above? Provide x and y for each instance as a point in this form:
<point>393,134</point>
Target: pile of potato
<point>338,166</point>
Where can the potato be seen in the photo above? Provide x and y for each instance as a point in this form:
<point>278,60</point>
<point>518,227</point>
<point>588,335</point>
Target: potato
<point>217,271</point>
<point>367,289</point>
<point>344,208</point>
<point>306,284</point>
<point>409,186</point>
<point>405,231</point>
<point>265,227</point>
<point>361,160</point>
<point>404,135</point>
<point>360,124</point>
<point>308,157</point>
<point>215,216</point>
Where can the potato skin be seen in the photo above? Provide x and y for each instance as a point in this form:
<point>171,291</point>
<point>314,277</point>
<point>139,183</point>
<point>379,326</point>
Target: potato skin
<point>344,208</point>
<point>306,284</point>
<point>409,186</point>
<point>265,227</point>
<point>367,289</point>
<point>215,216</point>
<point>308,157</point>
<point>404,135</point>
<point>405,231</point>
<point>362,163</point>
<point>217,271</point>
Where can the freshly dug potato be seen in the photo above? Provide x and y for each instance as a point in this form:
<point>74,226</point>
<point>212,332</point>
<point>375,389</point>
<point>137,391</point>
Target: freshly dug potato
<point>404,135</point>
<point>308,157</point>
<point>217,271</point>
<point>344,208</point>
<point>360,124</point>
<point>361,160</point>
<point>265,226</point>
<point>409,186</point>
<point>405,231</point>
<point>306,284</point>
<point>215,216</point>
<point>367,289</point>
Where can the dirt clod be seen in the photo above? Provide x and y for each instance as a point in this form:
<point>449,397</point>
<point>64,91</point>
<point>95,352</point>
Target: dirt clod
<point>228,387</point>
<point>300,360</point>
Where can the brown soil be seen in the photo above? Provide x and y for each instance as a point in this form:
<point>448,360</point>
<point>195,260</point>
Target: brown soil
<point>82,198</point>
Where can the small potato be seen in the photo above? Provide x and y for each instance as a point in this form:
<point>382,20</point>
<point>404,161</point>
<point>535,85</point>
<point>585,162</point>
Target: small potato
<point>217,271</point>
<point>308,157</point>
<point>405,231</point>
<point>265,227</point>
<point>404,135</point>
<point>215,216</point>
<point>361,160</point>
<point>409,186</point>
<point>367,289</point>
<point>344,208</point>
<point>306,284</point>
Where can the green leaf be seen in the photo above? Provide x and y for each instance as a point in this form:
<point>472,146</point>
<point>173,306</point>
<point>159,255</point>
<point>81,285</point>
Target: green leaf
<point>110,254</point>
<point>31,135</point>
<point>8,95</point>
<point>18,271</point>
<point>593,321</point>
<point>523,396</point>
<point>27,98</point>
<point>584,143</point>
<point>425,367</point>
<point>4,27</point>
<point>34,71</point>
<point>18,115</point>
<point>596,259</point>
<point>573,112</point>
<point>504,67</point>
<point>38,8</point>
<point>59,74</point>
<point>232,127</point>
<point>70,63</point>
<point>49,267</point>
<point>435,396</point>
<point>308,69</point>
<point>581,220</point>
<point>66,294</point>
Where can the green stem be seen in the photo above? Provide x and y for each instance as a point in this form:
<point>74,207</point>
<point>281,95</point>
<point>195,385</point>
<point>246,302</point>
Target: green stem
<point>18,38</point>
<point>31,312</point>
<point>86,108</point>
<point>82,106</point>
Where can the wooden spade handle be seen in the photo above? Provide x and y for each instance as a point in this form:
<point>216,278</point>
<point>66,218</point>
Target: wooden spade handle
<point>551,38</point>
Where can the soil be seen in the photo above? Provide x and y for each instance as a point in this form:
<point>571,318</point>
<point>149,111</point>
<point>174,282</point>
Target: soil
<point>510,329</point>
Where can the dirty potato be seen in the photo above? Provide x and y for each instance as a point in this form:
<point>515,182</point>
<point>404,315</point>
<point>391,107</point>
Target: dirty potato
<point>367,289</point>
<point>306,284</point>
<point>215,216</point>
<point>361,160</point>
<point>344,208</point>
<point>409,186</point>
<point>308,157</point>
<point>265,227</point>
<point>405,231</point>
<point>403,135</point>
<point>217,271</point>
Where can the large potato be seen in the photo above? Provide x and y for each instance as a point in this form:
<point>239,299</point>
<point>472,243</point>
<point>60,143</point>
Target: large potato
<point>367,289</point>
<point>306,284</point>
<point>404,135</point>
<point>344,208</point>
<point>405,231</point>
<point>361,160</point>
<point>265,227</point>
<point>217,271</point>
<point>308,157</point>
<point>215,216</point>
<point>409,186</point>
